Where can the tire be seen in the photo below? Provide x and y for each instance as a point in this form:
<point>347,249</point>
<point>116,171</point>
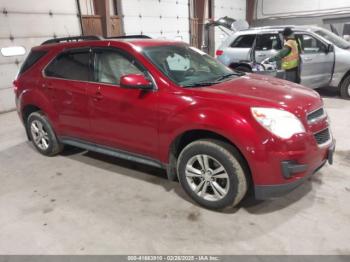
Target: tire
<point>215,191</point>
<point>40,130</point>
<point>244,69</point>
<point>345,88</point>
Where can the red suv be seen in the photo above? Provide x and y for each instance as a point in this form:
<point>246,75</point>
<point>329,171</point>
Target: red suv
<point>169,105</point>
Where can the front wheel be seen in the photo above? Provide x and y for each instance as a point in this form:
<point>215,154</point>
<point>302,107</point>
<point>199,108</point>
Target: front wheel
<point>345,88</point>
<point>213,173</point>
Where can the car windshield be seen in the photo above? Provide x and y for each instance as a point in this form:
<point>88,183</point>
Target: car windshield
<point>188,66</point>
<point>333,38</point>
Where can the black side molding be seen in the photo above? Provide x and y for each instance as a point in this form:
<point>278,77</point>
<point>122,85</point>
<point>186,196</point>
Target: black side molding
<point>111,151</point>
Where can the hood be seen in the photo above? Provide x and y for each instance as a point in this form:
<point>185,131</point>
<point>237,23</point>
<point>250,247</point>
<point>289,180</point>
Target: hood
<point>265,91</point>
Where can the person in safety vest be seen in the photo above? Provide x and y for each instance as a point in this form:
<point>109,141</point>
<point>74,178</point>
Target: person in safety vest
<point>289,56</point>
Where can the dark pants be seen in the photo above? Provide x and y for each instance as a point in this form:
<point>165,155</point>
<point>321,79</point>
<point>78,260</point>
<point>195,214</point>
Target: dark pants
<point>292,75</point>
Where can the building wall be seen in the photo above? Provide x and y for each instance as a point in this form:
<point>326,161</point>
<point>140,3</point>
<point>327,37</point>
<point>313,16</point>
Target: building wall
<point>296,8</point>
<point>166,19</point>
<point>313,12</point>
<point>28,23</point>
<point>232,8</point>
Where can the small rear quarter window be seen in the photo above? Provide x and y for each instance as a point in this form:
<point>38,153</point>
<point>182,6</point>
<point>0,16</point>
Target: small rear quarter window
<point>32,58</point>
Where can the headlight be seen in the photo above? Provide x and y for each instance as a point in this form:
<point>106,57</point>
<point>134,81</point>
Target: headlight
<point>279,122</point>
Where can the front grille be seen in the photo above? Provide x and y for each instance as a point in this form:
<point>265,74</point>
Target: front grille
<point>313,116</point>
<point>322,136</point>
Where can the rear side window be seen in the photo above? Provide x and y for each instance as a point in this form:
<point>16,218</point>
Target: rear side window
<point>70,65</point>
<point>268,42</point>
<point>244,41</point>
<point>32,58</point>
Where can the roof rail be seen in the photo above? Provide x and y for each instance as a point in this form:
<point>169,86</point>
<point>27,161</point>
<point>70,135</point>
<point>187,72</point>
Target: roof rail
<point>129,36</point>
<point>71,39</point>
<point>90,37</point>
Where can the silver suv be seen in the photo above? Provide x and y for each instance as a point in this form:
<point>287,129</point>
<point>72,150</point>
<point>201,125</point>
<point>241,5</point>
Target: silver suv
<point>325,56</point>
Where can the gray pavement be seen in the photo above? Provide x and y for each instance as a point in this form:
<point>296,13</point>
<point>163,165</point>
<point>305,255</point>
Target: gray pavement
<point>86,203</point>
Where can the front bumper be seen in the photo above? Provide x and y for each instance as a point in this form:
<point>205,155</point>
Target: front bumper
<point>288,170</point>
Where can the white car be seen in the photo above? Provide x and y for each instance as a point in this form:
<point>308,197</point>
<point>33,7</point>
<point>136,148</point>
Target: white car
<point>325,56</point>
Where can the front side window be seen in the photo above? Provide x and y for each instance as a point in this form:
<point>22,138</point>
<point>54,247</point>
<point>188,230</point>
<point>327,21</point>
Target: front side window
<point>111,65</point>
<point>70,65</point>
<point>244,41</point>
<point>311,45</point>
<point>268,42</point>
<point>186,65</point>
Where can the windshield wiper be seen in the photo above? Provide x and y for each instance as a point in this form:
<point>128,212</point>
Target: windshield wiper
<point>199,84</point>
<point>229,75</point>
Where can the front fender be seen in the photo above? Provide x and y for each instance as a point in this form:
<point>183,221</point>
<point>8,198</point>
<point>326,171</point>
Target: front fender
<point>235,126</point>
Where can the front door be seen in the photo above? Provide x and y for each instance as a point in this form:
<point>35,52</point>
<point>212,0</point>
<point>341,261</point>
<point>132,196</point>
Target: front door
<point>316,62</point>
<point>122,118</point>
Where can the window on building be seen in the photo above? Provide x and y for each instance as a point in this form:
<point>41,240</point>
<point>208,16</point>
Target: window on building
<point>13,51</point>
<point>87,7</point>
<point>113,7</point>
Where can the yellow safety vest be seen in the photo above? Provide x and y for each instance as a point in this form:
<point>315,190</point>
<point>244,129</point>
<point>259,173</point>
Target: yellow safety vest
<point>292,60</point>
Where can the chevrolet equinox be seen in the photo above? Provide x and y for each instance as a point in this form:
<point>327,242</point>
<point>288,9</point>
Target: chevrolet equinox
<point>169,105</point>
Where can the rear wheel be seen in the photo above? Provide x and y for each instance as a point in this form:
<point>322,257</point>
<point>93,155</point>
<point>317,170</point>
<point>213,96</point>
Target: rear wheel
<point>345,88</point>
<point>42,135</point>
<point>213,173</point>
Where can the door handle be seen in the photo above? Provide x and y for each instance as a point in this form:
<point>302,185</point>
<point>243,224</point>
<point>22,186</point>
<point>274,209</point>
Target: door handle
<point>98,96</point>
<point>262,55</point>
<point>47,86</point>
<point>307,58</point>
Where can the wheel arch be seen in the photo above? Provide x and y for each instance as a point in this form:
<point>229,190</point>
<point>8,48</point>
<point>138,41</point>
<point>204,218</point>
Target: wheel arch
<point>343,78</point>
<point>343,90</point>
<point>25,113</point>
<point>242,64</point>
<point>189,136</point>
<point>32,100</point>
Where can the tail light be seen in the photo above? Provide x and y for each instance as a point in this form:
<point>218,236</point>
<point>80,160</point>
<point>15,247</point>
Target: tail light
<point>219,52</point>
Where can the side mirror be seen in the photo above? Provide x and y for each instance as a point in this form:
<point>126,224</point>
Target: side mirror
<point>330,48</point>
<point>135,81</point>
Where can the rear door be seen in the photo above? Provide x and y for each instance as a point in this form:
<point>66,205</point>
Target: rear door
<point>267,45</point>
<point>65,80</point>
<point>317,64</point>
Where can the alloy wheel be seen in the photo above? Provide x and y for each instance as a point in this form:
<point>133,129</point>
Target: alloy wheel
<point>207,177</point>
<point>39,135</point>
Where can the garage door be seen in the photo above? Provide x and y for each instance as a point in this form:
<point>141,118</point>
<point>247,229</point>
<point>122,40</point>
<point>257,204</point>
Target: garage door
<point>234,9</point>
<point>29,23</point>
<point>166,19</point>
